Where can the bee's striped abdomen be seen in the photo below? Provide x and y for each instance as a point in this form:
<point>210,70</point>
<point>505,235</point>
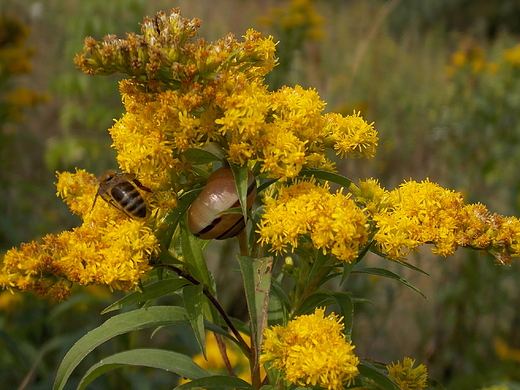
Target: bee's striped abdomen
<point>128,197</point>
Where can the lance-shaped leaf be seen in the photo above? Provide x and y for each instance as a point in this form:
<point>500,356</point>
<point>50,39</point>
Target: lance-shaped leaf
<point>123,323</point>
<point>151,291</point>
<point>193,297</point>
<point>216,382</point>
<point>257,282</point>
<point>325,175</point>
<point>240,175</point>
<point>194,257</point>
<point>388,274</point>
<point>174,217</point>
<point>375,377</point>
<point>154,358</point>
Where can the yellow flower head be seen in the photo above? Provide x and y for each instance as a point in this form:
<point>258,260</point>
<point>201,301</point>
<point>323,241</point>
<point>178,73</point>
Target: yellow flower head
<point>513,55</point>
<point>299,18</point>
<point>183,95</point>
<point>419,213</point>
<point>334,223</point>
<point>109,248</point>
<point>311,350</point>
<point>352,135</point>
<point>425,213</point>
<point>406,376</point>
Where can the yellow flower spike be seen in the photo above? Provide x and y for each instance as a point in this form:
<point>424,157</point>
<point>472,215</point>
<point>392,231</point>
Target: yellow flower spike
<point>311,350</point>
<point>425,213</point>
<point>406,376</point>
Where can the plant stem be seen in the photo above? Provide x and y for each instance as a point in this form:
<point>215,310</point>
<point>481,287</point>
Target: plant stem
<point>215,303</point>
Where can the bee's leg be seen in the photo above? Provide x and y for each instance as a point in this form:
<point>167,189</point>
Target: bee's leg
<point>139,185</point>
<point>94,203</point>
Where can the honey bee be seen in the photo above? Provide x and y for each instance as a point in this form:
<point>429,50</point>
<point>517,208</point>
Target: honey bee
<point>121,190</point>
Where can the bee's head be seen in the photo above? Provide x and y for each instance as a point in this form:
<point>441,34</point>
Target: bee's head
<point>107,176</point>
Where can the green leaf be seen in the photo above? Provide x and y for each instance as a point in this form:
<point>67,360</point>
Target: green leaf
<point>240,174</point>
<point>200,156</point>
<point>325,175</point>
<point>216,382</point>
<point>347,311</point>
<point>194,257</point>
<point>151,291</point>
<point>266,184</point>
<point>193,297</point>
<point>347,269</point>
<point>122,323</point>
<point>387,274</point>
<point>154,358</point>
<point>320,262</point>
<point>257,282</point>
<point>174,217</point>
<point>312,302</point>
<point>278,317</point>
<point>376,377</point>
<point>413,267</point>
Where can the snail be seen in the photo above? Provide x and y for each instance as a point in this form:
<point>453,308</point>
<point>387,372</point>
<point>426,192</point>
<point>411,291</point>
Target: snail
<point>220,194</point>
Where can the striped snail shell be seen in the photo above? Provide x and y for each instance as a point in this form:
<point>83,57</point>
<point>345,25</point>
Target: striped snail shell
<point>219,194</point>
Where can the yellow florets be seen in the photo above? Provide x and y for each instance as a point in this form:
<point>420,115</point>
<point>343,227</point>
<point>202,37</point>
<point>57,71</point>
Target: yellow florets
<point>107,249</point>
<point>311,350</point>
<point>332,221</point>
<point>406,376</point>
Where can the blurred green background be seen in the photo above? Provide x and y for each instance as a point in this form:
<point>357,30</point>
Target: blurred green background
<point>441,81</point>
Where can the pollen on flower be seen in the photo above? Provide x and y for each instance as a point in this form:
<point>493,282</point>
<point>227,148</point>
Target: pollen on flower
<point>311,350</point>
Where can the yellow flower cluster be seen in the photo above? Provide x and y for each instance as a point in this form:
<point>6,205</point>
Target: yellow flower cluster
<point>470,55</point>
<point>164,58</point>
<point>21,98</point>
<point>513,55</point>
<point>333,221</point>
<point>471,58</point>
<point>406,376</point>
<point>420,213</point>
<point>425,213</point>
<point>505,351</point>
<point>107,249</point>
<point>311,350</point>
<point>14,55</point>
<point>214,93</point>
<point>300,18</point>
<point>14,60</point>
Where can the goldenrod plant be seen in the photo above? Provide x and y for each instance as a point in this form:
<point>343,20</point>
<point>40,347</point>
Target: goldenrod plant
<point>194,108</point>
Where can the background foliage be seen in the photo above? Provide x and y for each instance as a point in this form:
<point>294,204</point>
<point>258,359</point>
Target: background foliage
<point>442,87</point>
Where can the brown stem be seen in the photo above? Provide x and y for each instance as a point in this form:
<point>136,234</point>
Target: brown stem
<point>223,353</point>
<point>242,243</point>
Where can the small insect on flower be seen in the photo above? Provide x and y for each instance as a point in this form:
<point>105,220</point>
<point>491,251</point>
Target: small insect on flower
<point>121,190</point>
<point>205,216</point>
